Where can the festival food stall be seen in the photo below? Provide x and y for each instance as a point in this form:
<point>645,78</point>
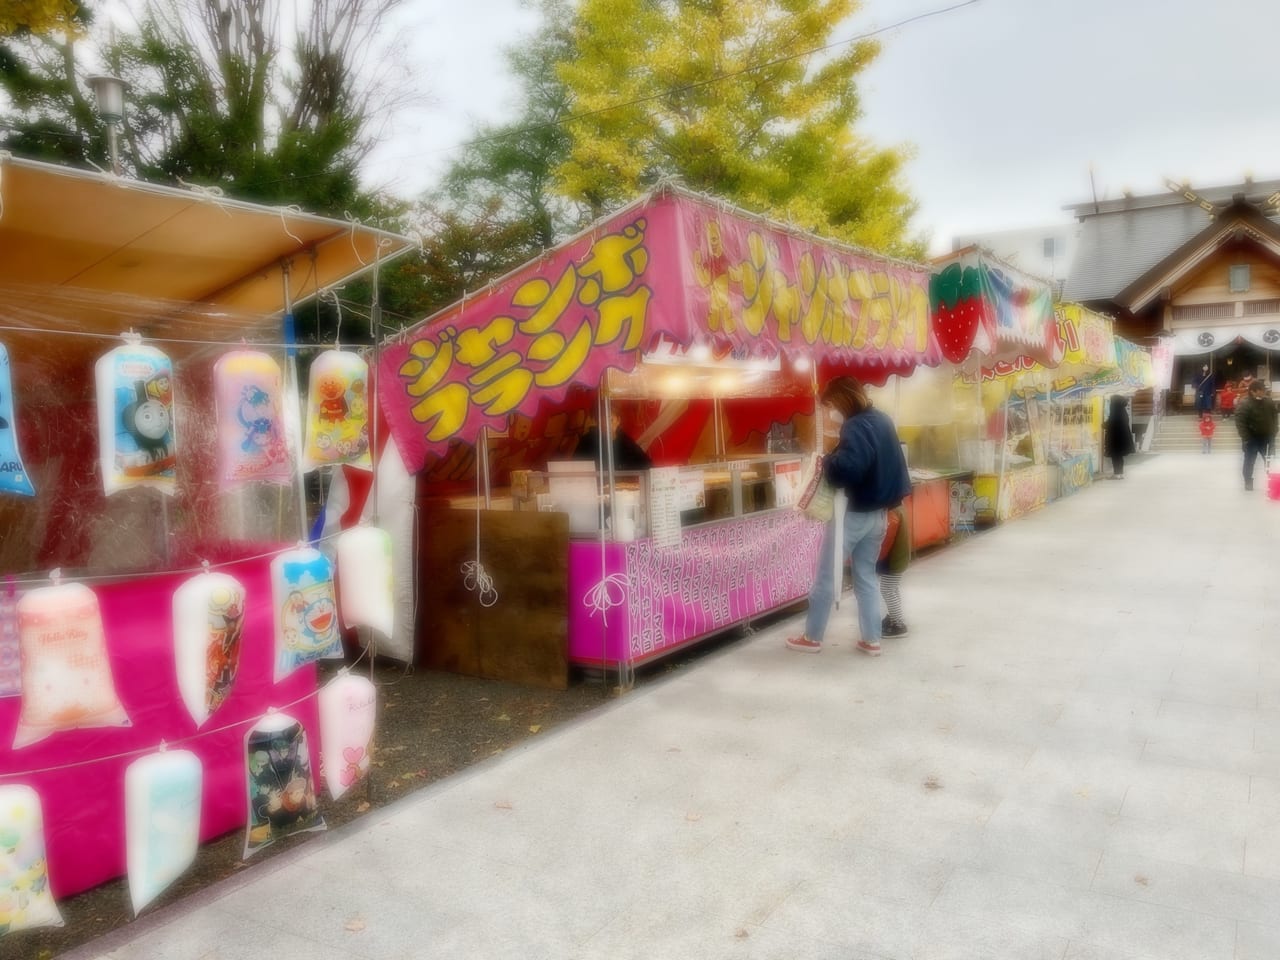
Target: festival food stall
<point>149,520</point>
<point>1065,431</point>
<point>987,313</point>
<point>707,330</point>
<point>1054,418</point>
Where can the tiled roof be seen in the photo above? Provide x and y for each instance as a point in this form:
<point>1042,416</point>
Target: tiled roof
<point>1128,237</point>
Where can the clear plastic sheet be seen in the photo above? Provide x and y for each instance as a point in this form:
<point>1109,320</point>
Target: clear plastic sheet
<point>54,337</point>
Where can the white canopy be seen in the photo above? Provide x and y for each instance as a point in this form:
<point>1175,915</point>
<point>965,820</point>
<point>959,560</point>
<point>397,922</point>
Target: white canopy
<point>1211,339</point>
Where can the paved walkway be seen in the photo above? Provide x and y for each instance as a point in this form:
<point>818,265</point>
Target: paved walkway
<point>1076,754</point>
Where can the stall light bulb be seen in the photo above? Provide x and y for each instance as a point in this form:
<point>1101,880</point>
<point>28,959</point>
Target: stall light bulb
<point>700,353</point>
<point>677,383</point>
<point>802,365</point>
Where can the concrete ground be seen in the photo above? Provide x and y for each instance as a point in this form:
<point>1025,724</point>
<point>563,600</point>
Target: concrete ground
<point>1075,754</point>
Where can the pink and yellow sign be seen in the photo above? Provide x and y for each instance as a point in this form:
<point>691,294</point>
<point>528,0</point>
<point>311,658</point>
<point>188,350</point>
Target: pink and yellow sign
<point>1088,346</point>
<point>672,268</point>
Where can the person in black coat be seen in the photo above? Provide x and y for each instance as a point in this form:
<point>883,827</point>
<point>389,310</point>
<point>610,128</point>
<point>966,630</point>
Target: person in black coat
<point>1119,435</point>
<point>1206,390</point>
<point>627,454</point>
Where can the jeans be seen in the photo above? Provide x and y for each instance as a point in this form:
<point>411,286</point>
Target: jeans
<point>1253,448</point>
<point>863,535</point>
<point>1205,443</point>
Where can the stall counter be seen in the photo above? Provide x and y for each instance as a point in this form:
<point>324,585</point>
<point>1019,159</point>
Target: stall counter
<point>929,506</point>
<point>1024,490</point>
<point>1074,474</point>
<point>633,602</point>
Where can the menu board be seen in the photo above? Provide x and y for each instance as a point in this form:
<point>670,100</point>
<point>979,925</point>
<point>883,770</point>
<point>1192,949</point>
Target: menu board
<point>664,506</point>
<point>787,482</point>
<point>693,490</point>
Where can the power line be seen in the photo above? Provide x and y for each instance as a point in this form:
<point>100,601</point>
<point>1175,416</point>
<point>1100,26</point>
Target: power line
<point>752,68</point>
<point>673,91</point>
<point>718,78</point>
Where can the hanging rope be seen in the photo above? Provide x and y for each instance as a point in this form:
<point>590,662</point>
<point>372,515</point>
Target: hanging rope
<point>205,567</point>
<point>608,593</point>
<point>354,223</point>
<point>284,224</point>
<point>475,578</point>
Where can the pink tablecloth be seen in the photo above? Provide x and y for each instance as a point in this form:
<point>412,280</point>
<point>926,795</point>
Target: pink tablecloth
<point>648,600</point>
<point>84,806</point>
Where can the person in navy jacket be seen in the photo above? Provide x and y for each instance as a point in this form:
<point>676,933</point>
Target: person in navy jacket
<point>868,465</point>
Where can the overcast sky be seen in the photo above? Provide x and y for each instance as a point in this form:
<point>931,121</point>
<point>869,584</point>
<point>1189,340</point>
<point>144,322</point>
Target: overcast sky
<point>1006,102</point>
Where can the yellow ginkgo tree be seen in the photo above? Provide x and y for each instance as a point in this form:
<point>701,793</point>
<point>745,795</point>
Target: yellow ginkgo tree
<point>38,16</point>
<point>752,100</point>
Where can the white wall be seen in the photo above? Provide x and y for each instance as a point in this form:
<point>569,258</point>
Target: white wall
<point>1025,248</point>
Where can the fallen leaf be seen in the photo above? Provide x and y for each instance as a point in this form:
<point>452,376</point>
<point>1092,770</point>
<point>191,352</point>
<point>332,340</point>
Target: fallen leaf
<point>355,925</point>
<point>393,784</point>
<point>364,805</point>
<point>535,727</point>
<point>693,817</point>
<point>741,933</point>
<point>503,805</point>
<point>674,750</point>
<point>1141,881</point>
<point>501,716</point>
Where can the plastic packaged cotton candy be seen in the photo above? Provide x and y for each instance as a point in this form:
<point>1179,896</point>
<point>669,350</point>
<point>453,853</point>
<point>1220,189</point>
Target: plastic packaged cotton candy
<point>25,900</point>
<point>348,710</point>
<point>305,608</point>
<point>136,428</point>
<point>13,475</point>
<point>162,821</point>
<point>282,790</point>
<point>338,412</point>
<point>364,572</point>
<point>252,441</point>
<point>208,620</point>
<point>66,673</point>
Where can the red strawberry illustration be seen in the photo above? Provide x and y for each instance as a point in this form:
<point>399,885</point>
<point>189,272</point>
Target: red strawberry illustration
<point>960,314</point>
<point>956,328</point>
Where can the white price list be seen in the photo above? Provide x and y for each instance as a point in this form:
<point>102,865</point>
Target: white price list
<point>664,506</point>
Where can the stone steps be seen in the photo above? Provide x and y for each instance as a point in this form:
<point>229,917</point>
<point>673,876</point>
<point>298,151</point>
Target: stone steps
<point>1181,434</point>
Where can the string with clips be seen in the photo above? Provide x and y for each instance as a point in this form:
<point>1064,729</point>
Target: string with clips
<point>164,745</point>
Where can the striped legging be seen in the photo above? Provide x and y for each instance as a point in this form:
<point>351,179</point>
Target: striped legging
<point>891,591</point>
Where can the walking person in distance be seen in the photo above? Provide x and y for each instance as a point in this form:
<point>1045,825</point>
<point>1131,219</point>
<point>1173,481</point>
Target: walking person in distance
<point>1256,423</point>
